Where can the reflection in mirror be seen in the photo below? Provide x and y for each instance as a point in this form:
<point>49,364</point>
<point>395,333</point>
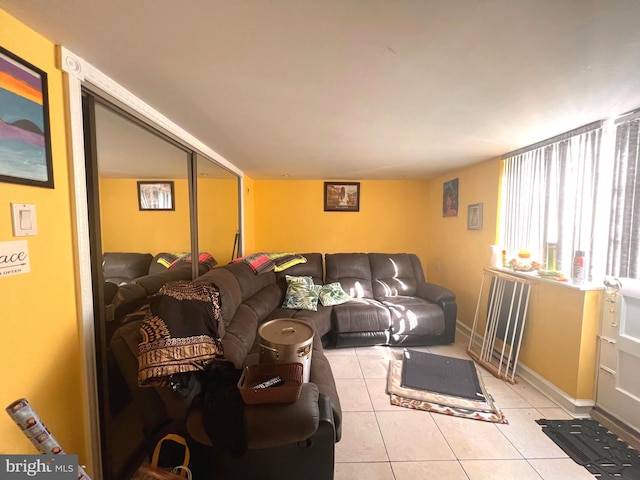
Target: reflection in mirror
<point>218,218</point>
<point>131,240</point>
<point>128,153</point>
<point>141,242</point>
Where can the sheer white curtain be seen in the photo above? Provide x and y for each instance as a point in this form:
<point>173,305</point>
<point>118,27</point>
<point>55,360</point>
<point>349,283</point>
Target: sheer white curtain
<point>623,258</point>
<point>550,192</point>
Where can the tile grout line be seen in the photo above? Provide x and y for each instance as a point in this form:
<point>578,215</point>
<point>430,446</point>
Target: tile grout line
<point>373,410</point>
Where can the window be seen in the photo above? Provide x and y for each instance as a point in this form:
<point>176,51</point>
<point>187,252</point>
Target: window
<point>549,196</point>
<point>580,191</point>
<point>623,259</point>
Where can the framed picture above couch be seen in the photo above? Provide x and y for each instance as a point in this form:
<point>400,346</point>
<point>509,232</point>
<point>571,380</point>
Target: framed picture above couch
<point>341,196</point>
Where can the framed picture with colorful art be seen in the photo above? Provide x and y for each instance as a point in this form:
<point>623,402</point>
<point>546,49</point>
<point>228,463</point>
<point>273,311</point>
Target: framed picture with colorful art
<point>450,198</point>
<point>25,142</point>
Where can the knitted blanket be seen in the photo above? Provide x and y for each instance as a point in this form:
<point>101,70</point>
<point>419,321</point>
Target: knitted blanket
<point>181,334</point>
<point>267,262</point>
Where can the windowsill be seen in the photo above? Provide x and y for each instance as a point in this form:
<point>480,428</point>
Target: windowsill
<point>587,286</point>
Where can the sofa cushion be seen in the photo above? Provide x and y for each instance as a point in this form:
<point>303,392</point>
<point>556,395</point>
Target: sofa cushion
<point>230,293</point>
<point>122,267</point>
<point>333,294</point>
<point>395,274</point>
<point>320,318</point>
<point>240,336</point>
<point>414,316</point>
<point>249,281</point>
<point>353,272</point>
<point>153,283</point>
<point>361,315</point>
<point>265,301</point>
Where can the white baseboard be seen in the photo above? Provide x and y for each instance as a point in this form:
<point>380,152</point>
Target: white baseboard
<point>578,408</point>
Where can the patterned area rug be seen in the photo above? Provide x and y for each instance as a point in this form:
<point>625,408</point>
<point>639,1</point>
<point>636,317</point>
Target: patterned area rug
<point>485,410</point>
<point>594,447</point>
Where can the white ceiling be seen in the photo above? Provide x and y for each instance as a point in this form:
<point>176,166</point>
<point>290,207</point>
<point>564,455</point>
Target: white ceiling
<point>359,89</point>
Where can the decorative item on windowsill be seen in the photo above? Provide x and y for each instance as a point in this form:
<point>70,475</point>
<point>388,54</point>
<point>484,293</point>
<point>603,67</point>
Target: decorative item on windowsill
<point>523,263</point>
<point>550,271</point>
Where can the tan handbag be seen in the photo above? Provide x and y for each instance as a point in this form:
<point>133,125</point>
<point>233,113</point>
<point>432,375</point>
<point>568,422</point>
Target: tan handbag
<point>153,472</point>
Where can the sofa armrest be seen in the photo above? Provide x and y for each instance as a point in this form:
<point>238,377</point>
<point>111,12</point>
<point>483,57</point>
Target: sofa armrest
<point>435,293</point>
<point>280,424</point>
<point>446,300</point>
<point>274,425</point>
<point>326,415</point>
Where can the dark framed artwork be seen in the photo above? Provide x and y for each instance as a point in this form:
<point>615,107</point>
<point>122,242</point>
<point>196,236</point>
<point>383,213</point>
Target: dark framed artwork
<point>450,198</point>
<point>156,195</point>
<point>474,217</point>
<point>341,196</point>
<point>25,142</point>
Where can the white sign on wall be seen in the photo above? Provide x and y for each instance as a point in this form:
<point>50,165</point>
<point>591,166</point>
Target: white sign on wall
<point>14,258</point>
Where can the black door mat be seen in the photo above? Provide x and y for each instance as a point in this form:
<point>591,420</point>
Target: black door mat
<point>437,373</point>
<point>594,447</point>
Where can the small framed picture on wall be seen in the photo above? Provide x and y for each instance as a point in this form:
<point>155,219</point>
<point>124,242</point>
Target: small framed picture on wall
<point>474,217</point>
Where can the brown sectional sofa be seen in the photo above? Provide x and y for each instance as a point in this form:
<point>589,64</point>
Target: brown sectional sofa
<point>392,305</point>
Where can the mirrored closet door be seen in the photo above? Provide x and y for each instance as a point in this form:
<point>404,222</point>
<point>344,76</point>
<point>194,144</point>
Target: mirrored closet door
<point>152,201</point>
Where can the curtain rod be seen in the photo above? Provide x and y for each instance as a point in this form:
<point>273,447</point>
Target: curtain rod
<point>558,138</point>
<point>628,117</point>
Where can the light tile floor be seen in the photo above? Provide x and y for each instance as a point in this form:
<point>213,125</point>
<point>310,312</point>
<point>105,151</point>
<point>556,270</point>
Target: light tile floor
<point>381,441</point>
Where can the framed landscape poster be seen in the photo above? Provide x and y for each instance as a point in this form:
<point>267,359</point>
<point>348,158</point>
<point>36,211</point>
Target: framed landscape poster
<point>341,196</point>
<point>25,144</point>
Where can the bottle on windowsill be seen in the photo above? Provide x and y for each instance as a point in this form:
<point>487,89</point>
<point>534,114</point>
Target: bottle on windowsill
<point>577,272</point>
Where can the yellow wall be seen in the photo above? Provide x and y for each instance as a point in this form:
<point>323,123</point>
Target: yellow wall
<point>127,229</point>
<point>40,357</point>
<point>290,216</point>
<point>218,217</point>
<point>457,255</point>
<point>560,337</point>
<point>559,342</point>
<point>248,227</point>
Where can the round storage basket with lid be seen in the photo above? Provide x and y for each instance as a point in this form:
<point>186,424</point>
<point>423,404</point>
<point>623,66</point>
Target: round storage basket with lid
<point>287,340</point>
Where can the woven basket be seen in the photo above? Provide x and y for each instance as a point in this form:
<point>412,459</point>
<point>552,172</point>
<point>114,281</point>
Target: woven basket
<point>288,392</point>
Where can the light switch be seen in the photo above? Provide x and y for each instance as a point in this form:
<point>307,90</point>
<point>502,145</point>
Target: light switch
<point>23,216</point>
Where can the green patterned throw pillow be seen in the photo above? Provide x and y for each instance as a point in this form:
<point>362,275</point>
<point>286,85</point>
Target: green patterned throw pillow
<point>333,294</point>
<point>308,281</point>
<point>301,297</point>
